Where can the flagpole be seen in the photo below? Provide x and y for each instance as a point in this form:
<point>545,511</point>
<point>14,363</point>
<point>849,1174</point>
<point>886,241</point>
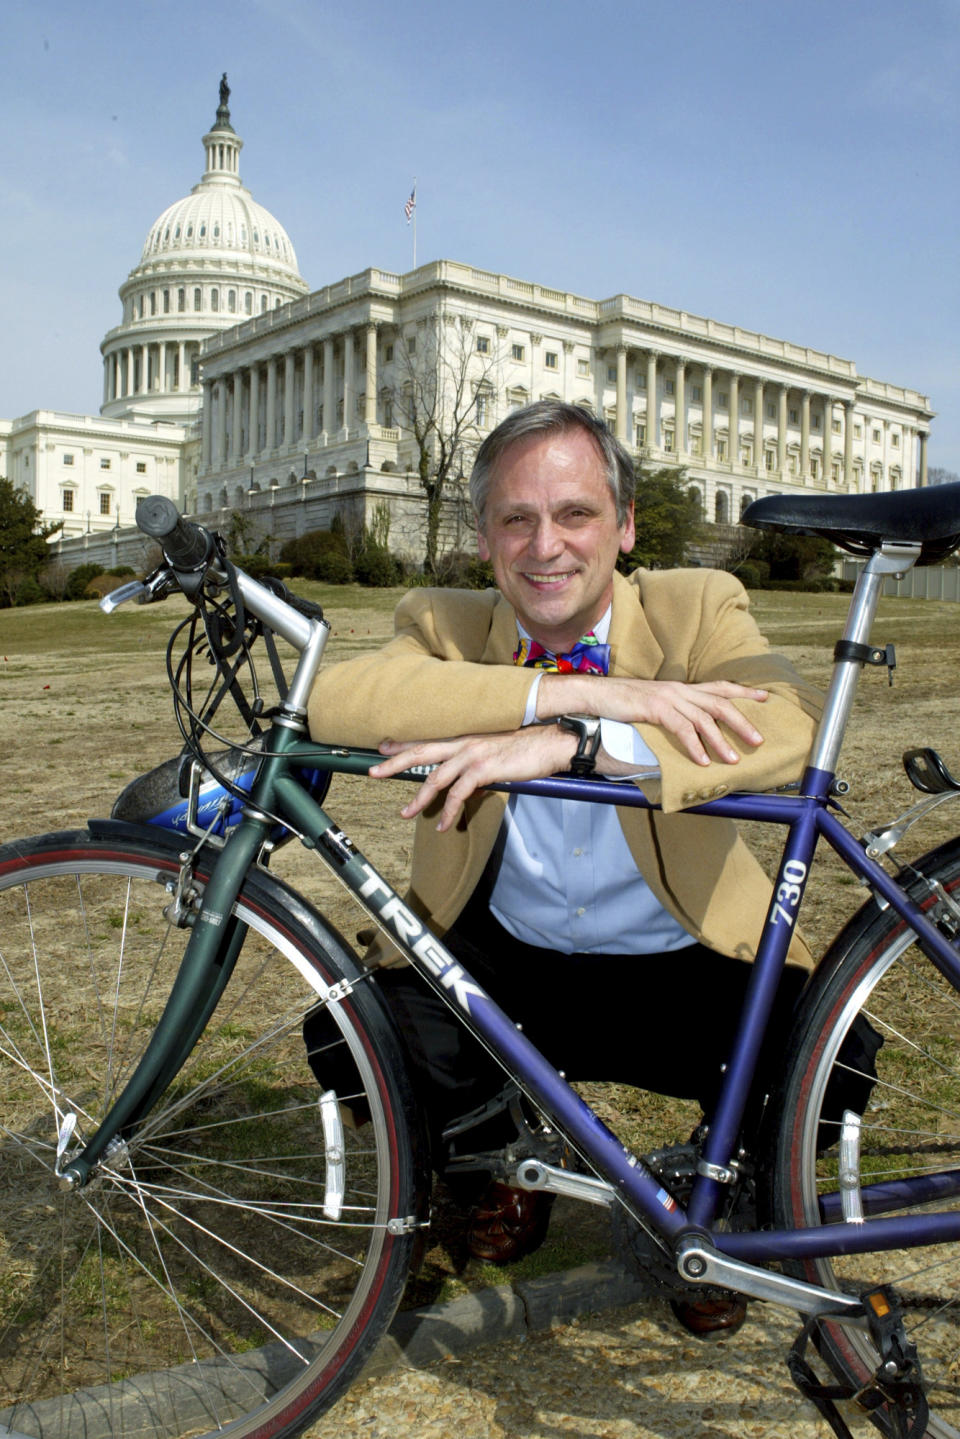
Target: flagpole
<point>414,222</point>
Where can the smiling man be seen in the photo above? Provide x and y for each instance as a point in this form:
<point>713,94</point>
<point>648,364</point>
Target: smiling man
<point>621,938</point>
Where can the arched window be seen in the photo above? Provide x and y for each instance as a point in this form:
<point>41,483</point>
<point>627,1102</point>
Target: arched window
<point>248,302</point>
<point>181,300</point>
<point>215,300</point>
<point>232,301</point>
<point>198,298</point>
<point>721,508</point>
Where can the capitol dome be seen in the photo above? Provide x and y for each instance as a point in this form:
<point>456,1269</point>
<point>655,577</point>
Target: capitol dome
<point>211,260</point>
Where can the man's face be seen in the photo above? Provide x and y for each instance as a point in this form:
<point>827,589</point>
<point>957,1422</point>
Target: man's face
<point>551,535</point>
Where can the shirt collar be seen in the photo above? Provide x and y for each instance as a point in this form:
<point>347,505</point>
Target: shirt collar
<point>601,629</point>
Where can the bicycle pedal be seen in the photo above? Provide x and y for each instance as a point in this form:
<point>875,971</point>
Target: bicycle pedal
<point>897,1382</point>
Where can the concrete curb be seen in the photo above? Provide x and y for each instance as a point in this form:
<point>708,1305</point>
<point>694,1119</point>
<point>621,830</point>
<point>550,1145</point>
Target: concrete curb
<point>508,1311</point>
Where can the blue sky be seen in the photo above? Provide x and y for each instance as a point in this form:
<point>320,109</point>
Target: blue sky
<point>789,167</point>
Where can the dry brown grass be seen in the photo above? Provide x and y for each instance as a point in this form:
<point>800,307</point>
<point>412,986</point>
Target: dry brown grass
<point>84,707</point>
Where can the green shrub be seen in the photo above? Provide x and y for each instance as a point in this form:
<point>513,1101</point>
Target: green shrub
<point>29,592</point>
<point>319,555</point>
<point>377,567</point>
<point>78,579</point>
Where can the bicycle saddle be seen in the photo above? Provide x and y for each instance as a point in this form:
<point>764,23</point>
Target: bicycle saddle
<point>861,523</point>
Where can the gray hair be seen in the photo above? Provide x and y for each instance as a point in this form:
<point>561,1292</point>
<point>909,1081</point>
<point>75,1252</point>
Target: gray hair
<point>546,417</point>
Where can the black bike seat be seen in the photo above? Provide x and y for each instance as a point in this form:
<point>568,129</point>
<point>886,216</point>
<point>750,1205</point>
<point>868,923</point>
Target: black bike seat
<point>861,523</point>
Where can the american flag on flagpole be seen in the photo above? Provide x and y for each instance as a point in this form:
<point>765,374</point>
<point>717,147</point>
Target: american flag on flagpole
<point>411,204</point>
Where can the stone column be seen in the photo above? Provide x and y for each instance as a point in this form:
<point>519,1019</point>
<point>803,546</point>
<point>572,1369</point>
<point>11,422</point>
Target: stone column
<point>924,436</point>
<point>289,395</point>
<point>805,435</point>
<point>348,379</point>
<point>370,402</point>
<point>128,372</point>
<point>622,394</point>
<point>707,412</point>
<point>162,366</point>
<point>848,442</point>
<point>308,427</point>
<point>567,375</point>
<point>733,428</point>
<point>236,445</point>
<point>144,369</point>
<point>329,393</point>
<point>270,439</point>
<point>220,423</point>
<point>183,378</point>
<point>782,430</point>
<point>758,425</point>
<point>206,419</point>
<point>827,438</point>
<point>680,407</point>
<point>253,425</point>
<point>653,437</point>
<point>106,379</point>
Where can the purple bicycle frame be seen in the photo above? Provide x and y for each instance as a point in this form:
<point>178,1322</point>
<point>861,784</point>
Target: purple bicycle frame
<point>807,817</point>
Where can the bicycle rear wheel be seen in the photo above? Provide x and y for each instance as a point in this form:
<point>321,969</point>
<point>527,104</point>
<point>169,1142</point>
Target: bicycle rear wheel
<point>875,985</point>
<point>232,1263</point>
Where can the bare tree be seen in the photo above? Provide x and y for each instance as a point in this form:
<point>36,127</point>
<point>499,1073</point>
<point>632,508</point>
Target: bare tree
<point>445,397</point>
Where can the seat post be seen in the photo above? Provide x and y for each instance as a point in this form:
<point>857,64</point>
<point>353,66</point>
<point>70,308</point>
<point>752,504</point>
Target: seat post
<point>893,558</point>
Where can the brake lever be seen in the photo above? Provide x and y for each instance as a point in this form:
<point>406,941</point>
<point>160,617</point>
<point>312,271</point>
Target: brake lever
<point>155,587</point>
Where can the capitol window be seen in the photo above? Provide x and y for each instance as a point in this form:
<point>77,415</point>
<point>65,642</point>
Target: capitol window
<point>483,345</point>
<point>104,464</point>
<point>550,360</point>
<point>166,302</point>
<point>153,302</point>
<point>68,501</point>
<point>232,301</point>
<point>104,503</point>
<point>197,299</point>
<point>248,302</point>
<point>141,467</point>
<point>517,352</point>
<point>181,299</point>
<point>68,459</point>
<point>263,304</point>
<point>215,300</point>
<point>583,369</point>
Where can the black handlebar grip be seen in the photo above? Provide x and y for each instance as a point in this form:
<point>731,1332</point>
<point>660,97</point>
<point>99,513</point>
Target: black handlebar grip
<point>185,544</point>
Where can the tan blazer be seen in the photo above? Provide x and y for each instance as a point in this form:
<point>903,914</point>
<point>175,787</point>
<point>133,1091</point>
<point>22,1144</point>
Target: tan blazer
<point>449,670</point>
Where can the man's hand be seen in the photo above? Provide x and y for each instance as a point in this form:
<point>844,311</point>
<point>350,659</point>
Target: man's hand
<point>692,713</point>
<point>471,762</point>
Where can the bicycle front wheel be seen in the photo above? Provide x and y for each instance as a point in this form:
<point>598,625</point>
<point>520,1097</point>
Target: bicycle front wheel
<point>880,1037</point>
<point>232,1261</point>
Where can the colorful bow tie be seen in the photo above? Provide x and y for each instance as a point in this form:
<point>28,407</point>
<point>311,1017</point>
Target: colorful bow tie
<point>588,656</point>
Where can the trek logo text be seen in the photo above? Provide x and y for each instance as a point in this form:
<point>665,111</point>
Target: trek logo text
<point>410,931</point>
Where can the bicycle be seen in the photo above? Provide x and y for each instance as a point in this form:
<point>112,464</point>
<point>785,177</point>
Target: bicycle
<point>207,1243</point>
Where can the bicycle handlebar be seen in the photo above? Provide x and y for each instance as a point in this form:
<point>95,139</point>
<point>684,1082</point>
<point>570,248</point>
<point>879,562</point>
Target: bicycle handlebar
<point>187,546</point>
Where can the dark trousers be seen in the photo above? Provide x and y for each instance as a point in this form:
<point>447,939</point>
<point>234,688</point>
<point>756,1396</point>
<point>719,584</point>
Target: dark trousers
<point>662,1022</point>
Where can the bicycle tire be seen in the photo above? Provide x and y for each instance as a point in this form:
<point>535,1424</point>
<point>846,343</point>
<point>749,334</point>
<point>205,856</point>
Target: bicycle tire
<point>209,1278</point>
<point>875,972</point>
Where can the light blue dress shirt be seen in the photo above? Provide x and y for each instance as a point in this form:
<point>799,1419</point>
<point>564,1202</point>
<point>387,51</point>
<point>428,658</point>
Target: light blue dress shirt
<point>567,880</point>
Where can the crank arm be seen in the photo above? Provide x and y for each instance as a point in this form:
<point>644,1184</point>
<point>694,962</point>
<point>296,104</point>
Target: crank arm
<point>699,1263</point>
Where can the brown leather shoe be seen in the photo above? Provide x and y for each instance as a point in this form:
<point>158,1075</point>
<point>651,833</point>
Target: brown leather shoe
<point>711,1318</point>
<point>508,1223</point>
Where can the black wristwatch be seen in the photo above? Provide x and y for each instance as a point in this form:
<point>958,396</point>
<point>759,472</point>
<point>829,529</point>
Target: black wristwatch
<point>587,730</point>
